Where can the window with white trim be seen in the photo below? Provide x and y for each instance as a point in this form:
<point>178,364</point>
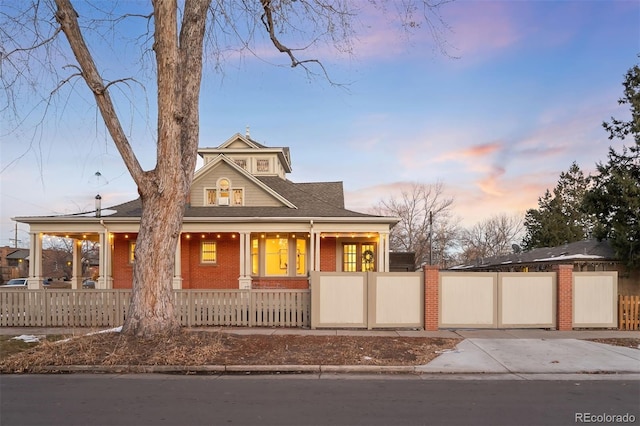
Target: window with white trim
<point>262,165</point>
<point>242,162</point>
<point>210,197</point>
<point>238,197</point>
<point>208,252</point>
<point>132,251</point>
<point>358,257</point>
<point>277,256</point>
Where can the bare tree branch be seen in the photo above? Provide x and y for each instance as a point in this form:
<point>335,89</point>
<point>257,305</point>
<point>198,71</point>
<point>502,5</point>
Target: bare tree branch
<point>68,19</point>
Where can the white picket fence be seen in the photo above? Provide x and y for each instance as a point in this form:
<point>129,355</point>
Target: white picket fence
<point>108,308</point>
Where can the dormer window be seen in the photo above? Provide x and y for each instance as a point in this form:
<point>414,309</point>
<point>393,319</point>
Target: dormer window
<point>262,165</point>
<point>210,197</point>
<point>242,162</point>
<point>224,194</point>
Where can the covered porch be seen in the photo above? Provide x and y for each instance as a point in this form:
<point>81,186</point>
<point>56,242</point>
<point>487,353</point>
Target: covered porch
<point>265,255</point>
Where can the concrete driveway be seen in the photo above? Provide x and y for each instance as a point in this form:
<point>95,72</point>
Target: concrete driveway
<point>534,356</point>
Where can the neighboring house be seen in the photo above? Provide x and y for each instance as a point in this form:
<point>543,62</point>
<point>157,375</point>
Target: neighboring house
<point>245,226</point>
<point>404,261</point>
<point>14,263</point>
<point>586,255</point>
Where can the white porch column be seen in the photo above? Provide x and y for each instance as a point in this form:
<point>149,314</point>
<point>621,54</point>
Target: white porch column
<point>244,281</point>
<point>76,265</point>
<point>312,250</point>
<point>383,252</point>
<point>105,280</point>
<point>316,259</point>
<point>177,265</point>
<point>35,261</point>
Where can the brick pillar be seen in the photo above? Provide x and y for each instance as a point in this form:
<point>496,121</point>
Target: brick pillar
<point>565,296</point>
<point>431,308</point>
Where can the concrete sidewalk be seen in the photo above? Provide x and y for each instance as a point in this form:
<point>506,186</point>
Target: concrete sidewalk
<point>489,352</point>
<point>535,356</point>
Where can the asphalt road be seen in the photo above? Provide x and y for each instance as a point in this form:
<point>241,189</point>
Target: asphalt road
<point>300,400</point>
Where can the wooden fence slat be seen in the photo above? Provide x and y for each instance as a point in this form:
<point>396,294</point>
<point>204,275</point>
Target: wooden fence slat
<point>629,312</point>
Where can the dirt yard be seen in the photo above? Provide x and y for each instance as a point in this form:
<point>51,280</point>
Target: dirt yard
<point>191,348</point>
<point>194,348</point>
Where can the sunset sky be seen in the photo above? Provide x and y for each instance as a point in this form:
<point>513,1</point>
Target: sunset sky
<point>520,95</point>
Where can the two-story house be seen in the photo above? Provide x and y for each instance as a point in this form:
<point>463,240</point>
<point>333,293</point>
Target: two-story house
<point>245,226</point>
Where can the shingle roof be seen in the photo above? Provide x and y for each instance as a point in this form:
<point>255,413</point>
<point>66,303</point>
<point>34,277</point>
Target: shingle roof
<point>18,254</point>
<point>315,199</point>
<point>580,250</point>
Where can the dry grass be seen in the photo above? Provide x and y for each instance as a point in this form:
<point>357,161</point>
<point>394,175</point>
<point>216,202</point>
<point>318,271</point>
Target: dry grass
<point>627,342</point>
<point>194,348</point>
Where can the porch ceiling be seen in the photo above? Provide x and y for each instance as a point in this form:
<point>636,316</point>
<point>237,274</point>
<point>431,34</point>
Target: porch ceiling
<point>87,236</point>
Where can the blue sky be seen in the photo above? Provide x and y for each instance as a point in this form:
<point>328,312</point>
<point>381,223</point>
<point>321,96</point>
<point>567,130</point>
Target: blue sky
<point>525,97</point>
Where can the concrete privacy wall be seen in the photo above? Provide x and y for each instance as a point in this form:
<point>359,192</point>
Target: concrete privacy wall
<point>367,300</point>
<point>526,300</point>
<point>595,299</point>
<point>338,300</point>
<point>397,299</point>
<point>497,300</point>
<point>468,300</point>
<point>562,299</point>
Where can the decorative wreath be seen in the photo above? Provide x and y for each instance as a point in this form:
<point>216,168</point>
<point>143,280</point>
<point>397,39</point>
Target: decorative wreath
<point>368,256</point>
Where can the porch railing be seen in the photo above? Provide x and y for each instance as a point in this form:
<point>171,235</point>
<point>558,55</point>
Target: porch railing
<point>108,308</point>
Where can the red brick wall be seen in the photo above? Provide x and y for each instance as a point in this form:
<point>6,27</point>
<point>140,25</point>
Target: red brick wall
<point>565,296</point>
<point>328,254</point>
<point>281,283</point>
<point>223,275</point>
<point>122,269</point>
<point>431,297</point>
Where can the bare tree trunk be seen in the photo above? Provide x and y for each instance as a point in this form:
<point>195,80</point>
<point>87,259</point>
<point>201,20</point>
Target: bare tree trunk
<point>151,310</point>
<point>163,190</point>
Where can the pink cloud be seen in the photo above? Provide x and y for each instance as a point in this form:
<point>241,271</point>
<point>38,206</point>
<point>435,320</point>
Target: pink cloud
<point>474,151</point>
<point>490,184</point>
<point>482,26</point>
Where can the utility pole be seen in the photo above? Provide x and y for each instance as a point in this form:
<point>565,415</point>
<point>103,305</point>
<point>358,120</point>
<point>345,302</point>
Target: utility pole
<point>430,237</point>
<point>15,237</point>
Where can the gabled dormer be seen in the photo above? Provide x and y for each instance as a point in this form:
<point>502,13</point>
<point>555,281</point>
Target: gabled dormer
<point>255,158</point>
<point>232,172</point>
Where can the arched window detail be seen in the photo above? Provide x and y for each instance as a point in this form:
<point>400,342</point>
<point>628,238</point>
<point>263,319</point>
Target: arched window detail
<point>224,192</point>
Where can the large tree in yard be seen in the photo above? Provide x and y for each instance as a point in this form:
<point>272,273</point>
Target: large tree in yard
<point>615,196</point>
<point>175,33</point>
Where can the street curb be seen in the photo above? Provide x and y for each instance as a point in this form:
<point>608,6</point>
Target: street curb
<point>228,369</point>
<point>297,369</point>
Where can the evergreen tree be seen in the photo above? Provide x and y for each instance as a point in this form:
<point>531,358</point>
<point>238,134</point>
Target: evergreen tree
<point>559,218</point>
<point>615,196</point>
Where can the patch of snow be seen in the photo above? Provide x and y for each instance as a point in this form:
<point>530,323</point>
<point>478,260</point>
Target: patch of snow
<point>569,257</point>
<point>109,330</point>
<point>27,338</point>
